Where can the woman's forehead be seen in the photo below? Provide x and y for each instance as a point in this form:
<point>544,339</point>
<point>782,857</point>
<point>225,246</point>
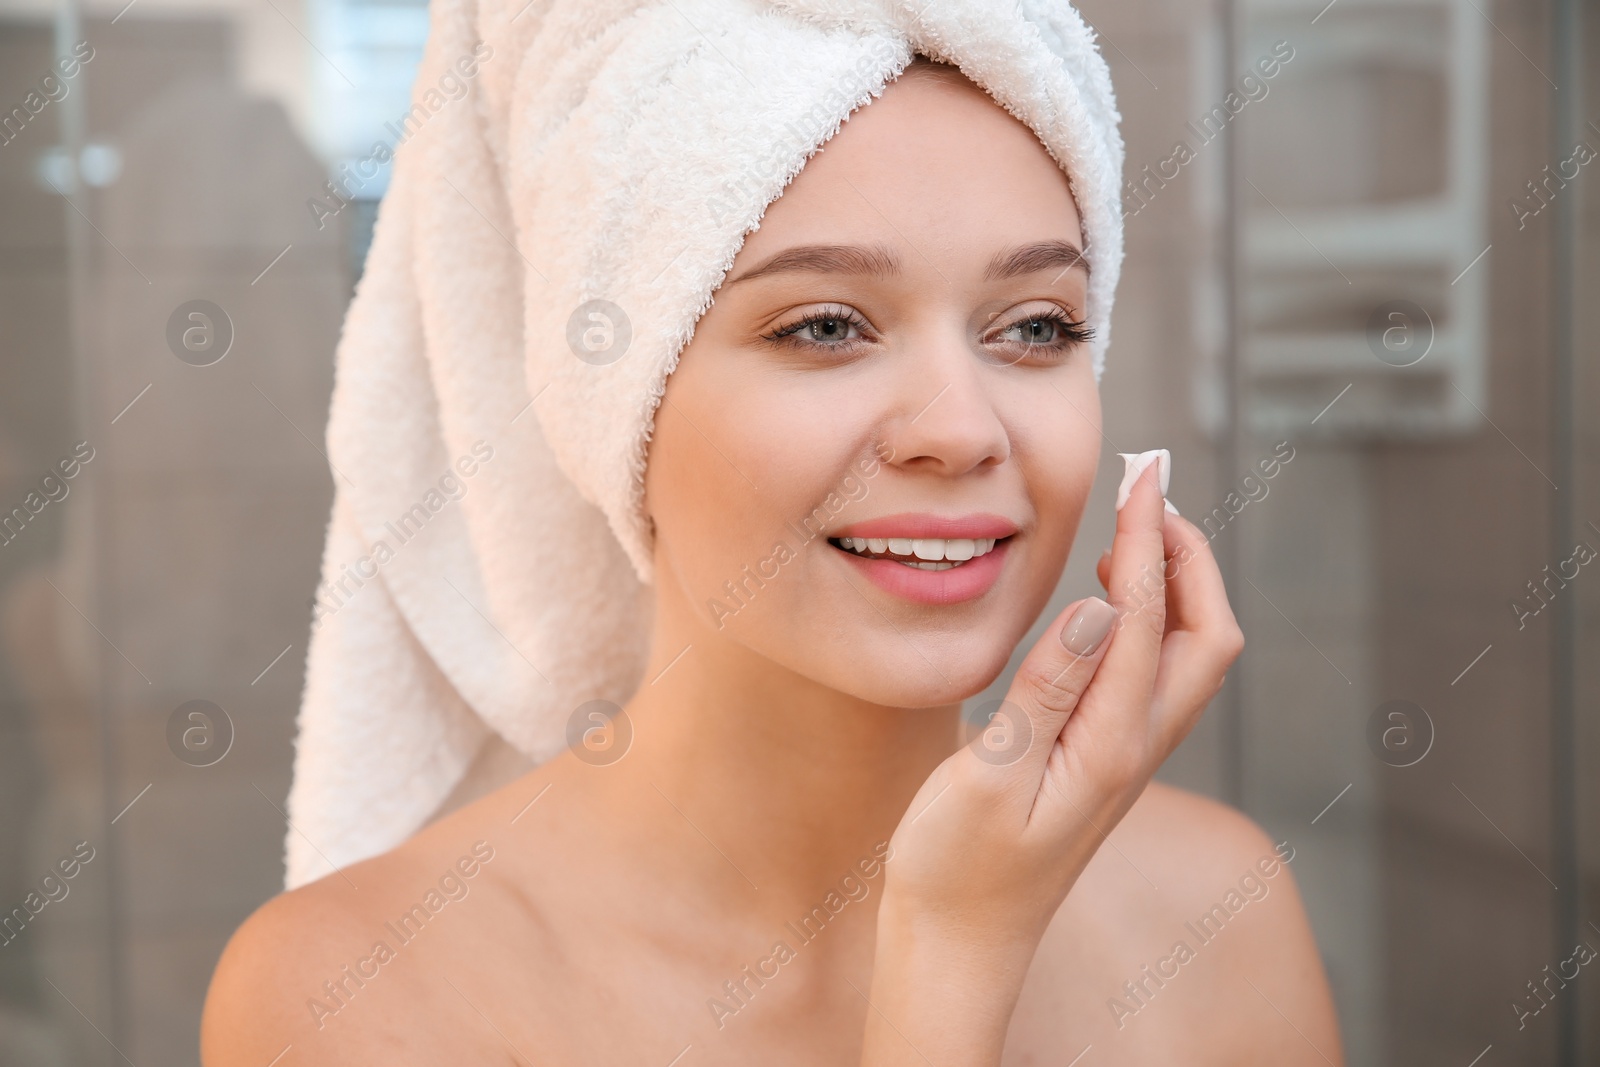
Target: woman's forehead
<point>921,173</point>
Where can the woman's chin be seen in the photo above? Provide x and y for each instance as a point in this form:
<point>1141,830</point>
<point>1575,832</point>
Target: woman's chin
<point>929,678</point>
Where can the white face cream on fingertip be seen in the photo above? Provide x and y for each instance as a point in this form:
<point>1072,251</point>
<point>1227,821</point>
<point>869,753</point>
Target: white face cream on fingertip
<point>1136,464</point>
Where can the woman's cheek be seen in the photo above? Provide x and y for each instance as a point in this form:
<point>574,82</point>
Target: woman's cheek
<point>1057,447</point>
<point>734,537</point>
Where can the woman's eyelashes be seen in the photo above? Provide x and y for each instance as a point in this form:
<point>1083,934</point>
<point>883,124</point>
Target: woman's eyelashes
<point>1045,334</point>
<point>828,327</point>
<point>1049,332</point>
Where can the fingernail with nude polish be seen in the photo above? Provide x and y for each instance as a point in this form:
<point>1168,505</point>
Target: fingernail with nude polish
<point>1088,626</point>
<point>1135,466</point>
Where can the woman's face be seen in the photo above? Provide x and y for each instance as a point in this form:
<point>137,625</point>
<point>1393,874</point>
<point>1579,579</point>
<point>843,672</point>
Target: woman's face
<point>893,358</point>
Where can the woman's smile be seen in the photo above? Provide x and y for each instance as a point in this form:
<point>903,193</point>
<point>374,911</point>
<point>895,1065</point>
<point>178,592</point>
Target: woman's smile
<point>926,558</point>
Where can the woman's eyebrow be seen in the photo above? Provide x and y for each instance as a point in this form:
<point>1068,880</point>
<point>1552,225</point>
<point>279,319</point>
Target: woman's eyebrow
<point>881,260</point>
<point>828,259</point>
<point>1043,255</point>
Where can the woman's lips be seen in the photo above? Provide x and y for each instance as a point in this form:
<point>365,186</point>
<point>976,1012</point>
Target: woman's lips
<point>968,581</point>
<point>974,572</point>
<point>922,525</point>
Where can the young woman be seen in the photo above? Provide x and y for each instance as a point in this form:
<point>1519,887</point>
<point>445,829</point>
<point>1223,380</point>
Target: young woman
<point>802,858</point>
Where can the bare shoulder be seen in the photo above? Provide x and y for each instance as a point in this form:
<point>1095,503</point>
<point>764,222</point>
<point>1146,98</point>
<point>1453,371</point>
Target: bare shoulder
<point>1227,931</point>
<point>336,968</point>
<point>271,964</point>
<point>1227,884</point>
<point>1185,940</point>
<point>1188,831</point>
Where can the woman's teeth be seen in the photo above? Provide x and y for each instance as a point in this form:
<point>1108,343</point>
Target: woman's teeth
<point>924,553</point>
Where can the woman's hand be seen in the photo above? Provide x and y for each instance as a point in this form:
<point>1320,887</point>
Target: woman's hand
<point>1002,829</point>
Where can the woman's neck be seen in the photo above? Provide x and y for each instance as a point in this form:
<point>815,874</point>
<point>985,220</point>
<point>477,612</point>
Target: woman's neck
<point>792,781</point>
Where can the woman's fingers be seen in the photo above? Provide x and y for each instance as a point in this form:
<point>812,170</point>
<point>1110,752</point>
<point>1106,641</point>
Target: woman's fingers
<point>1015,744</point>
<point>1137,590</point>
<point>1202,591</point>
<point>1136,668</point>
<point>1053,679</point>
<point>1202,635</point>
<point>1105,746</point>
<point>1197,599</point>
<point>1203,638</point>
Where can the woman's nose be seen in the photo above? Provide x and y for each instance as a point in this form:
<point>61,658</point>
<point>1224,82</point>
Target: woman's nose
<point>945,418</point>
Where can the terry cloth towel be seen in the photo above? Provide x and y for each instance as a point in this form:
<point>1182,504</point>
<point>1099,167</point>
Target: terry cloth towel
<point>574,180</point>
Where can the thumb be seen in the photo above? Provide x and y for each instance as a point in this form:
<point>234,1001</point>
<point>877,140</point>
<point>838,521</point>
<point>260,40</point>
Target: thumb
<point>1022,730</point>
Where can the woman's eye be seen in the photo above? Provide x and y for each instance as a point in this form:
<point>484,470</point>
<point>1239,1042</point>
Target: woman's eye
<point>826,329</point>
<point>1052,330</point>
<point>1037,331</point>
<point>840,328</point>
<point>830,328</point>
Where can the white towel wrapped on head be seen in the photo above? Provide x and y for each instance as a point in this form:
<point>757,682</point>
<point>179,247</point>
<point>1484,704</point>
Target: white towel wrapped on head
<point>547,244</point>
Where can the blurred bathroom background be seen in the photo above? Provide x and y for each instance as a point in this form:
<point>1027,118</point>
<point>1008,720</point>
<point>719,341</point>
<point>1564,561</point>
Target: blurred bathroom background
<point>1363,256</point>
